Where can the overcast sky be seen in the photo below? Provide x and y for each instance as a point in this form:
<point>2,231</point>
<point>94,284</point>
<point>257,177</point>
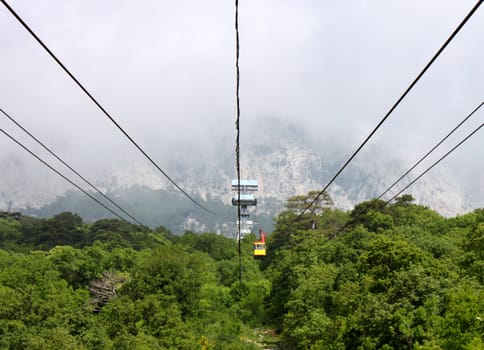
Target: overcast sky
<point>165,70</point>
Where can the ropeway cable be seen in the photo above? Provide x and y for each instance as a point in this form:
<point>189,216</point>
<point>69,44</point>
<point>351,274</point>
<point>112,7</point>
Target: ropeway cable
<point>459,27</point>
<point>372,203</point>
<point>412,182</point>
<point>61,175</point>
<point>434,164</point>
<point>105,112</point>
<point>237,127</point>
<point>69,167</point>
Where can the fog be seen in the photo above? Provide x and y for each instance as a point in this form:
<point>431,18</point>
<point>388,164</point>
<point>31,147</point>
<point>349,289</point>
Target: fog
<point>166,71</point>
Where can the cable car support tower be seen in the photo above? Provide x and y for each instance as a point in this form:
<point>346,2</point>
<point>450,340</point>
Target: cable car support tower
<point>247,189</point>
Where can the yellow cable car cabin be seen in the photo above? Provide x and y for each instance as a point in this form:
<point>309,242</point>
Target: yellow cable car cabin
<point>260,246</point>
<point>259,250</point>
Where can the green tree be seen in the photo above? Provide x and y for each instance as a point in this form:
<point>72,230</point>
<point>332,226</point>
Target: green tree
<point>10,232</point>
<point>462,326</point>
<point>217,246</point>
<point>473,258</point>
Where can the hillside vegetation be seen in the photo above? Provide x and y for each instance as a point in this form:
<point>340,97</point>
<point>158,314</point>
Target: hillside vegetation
<point>403,278</point>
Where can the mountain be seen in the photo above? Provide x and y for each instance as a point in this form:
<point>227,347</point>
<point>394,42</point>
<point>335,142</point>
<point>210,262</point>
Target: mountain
<point>281,156</point>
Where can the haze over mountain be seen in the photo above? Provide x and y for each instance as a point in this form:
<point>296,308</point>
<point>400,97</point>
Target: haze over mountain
<point>316,77</point>
<point>284,158</point>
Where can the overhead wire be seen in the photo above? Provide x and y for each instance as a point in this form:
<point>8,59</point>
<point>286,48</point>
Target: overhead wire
<point>430,151</point>
<point>423,173</point>
<point>375,200</point>
<point>98,104</point>
<point>62,175</point>
<point>395,105</point>
<point>435,163</point>
<point>237,138</point>
<point>69,167</point>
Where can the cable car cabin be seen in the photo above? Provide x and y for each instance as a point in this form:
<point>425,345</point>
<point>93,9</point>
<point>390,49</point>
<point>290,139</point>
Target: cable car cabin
<point>259,250</point>
<point>260,246</point>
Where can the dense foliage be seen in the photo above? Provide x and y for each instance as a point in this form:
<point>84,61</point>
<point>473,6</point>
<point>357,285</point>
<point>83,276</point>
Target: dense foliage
<point>111,285</point>
<point>402,278</point>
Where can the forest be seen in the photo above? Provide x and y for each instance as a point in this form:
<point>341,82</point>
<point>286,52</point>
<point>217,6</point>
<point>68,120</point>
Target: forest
<point>402,277</point>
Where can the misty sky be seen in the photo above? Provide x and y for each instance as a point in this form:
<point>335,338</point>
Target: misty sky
<point>165,70</point>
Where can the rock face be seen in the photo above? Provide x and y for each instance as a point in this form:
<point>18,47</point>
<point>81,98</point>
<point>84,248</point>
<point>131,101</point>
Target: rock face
<point>280,156</point>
